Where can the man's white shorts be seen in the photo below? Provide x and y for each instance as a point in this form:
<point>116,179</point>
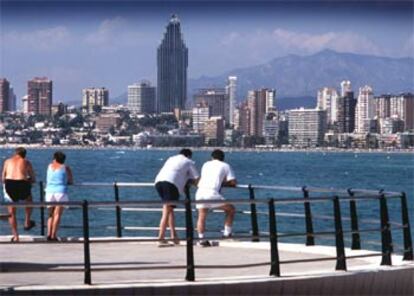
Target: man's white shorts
<point>203,194</point>
<point>56,197</point>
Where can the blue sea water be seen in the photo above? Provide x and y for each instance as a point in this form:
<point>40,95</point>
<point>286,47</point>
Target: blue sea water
<point>388,171</point>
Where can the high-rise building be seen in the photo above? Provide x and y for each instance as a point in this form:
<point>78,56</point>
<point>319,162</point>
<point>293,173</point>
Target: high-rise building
<point>271,128</point>
<point>365,109</point>
<point>214,131</point>
<point>231,93</point>
<point>4,95</point>
<point>307,127</point>
<point>172,63</point>
<point>402,106</point>
<point>216,99</point>
<point>327,100</point>
<point>25,104</point>
<point>244,115</point>
<point>40,96</point>
<point>346,113</point>
<point>141,98</point>
<point>383,106</point>
<point>345,87</point>
<point>259,102</point>
<point>12,99</point>
<point>93,99</point>
<point>201,114</point>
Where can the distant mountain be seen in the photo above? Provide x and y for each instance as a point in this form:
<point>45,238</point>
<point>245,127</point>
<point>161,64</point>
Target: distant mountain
<point>296,76</point>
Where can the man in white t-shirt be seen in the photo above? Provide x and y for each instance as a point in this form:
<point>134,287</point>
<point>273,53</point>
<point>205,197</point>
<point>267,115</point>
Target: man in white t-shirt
<point>170,183</point>
<point>214,175</point>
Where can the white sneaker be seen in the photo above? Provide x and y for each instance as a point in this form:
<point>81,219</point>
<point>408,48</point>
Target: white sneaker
<point>163,243</point>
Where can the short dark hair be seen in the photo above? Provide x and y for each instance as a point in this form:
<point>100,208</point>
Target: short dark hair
<point>59,156</point>
<point>218,154</point>
<point>21,151</point>
<point>186,152</point>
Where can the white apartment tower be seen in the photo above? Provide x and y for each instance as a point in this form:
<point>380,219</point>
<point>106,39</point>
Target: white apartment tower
<point>327,100</point>
<point>365,109</point>
<point>231,92</point>
<point>141,98</point>
<point>345,87</point>
<point>94,99</point>
<point>307,127</point>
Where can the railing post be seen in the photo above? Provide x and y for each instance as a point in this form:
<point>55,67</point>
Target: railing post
<point>356,240</point>
<point>385,232</point>
<point>339,236</point>
<point>310,241</point>
<point>86,247</point>
<point>190,275</point>
<point>42,209</point>
<point>408,244</point>
<point>118,212</point>
<point>253,216</point>
<point>274,253</point>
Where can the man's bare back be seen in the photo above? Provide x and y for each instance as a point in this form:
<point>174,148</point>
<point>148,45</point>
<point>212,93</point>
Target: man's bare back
<point>18,168</point>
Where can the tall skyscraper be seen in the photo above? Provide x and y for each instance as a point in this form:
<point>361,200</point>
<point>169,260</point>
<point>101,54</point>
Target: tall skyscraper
<point>40,96</point>
<point>307,127</point>
<point>4,95</point>
<point>365,109</point>
<point>201,113</point>
<point>346,113</point>
<point>214,131</point>
<point>172,63</point>
<point>231,92</point>
<point>260,102</point>
<point>12,99</point>
<point>327,100</point>
<point>402,106</point>
<point>383,106</point>
<point>93,99</point>
<point>216,99</point>
<point>141,98</point>
<point>345,87</point>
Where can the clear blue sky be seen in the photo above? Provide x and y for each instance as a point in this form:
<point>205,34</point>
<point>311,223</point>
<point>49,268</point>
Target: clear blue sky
<point>81,44</point>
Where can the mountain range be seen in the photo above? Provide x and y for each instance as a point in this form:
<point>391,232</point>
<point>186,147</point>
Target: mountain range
<point>297,78</point>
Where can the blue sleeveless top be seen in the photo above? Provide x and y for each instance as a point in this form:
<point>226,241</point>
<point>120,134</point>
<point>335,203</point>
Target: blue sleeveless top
<point>57,180</point>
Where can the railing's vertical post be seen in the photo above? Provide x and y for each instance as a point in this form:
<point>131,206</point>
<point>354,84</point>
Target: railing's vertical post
<point>118,212</point>
<point>385,232</point>
<point>86,247</point>
<point>253,216</point>
<point>310,241</point>
<point>356,240</point>
<point>274,253</point>
<point>190,275</point>
<point>408,244</point>
<point>42,209</point>
<point>339,236</point>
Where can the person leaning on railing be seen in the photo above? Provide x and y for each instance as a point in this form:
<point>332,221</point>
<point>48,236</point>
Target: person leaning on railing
<point>59,176</point>
<point>18,176</point>
<point>215,174</point>
<point>170,182</point>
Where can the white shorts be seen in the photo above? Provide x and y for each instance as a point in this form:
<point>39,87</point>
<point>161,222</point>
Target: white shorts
<point>208,195</point>
<point>56,197</point>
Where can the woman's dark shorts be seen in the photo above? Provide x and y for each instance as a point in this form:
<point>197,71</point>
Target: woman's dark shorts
<point>167,191</point>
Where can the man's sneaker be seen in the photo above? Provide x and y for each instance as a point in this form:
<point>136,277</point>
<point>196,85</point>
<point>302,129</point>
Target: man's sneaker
<point>163,243</point>
<point>204,243</point>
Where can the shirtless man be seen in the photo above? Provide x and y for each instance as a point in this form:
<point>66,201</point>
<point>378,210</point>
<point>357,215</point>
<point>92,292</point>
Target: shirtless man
<point>18,176</point>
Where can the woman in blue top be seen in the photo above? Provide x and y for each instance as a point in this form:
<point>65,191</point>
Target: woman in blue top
<point>59,176</point>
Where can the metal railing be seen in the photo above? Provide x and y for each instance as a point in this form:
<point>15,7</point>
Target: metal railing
<point>337,196</point>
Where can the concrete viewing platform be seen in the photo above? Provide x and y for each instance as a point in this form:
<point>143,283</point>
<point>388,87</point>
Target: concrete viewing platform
<point>57,269</point>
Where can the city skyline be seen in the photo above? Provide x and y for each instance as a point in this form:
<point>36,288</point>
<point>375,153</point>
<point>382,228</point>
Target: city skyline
<point>98,43</point>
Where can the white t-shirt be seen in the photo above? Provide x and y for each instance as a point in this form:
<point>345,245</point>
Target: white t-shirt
<point>177,170</point>
<point>213,174</point>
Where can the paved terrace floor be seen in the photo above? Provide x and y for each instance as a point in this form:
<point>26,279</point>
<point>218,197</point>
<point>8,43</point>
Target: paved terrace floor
<point>60,265</point>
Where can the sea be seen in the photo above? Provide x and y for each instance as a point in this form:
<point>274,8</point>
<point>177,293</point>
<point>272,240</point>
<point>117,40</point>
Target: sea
<point>338,170</point>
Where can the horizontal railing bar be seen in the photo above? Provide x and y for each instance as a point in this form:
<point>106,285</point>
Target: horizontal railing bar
<point>138,268</point>
<point>245,186</point>
<point>363,256</point>
<point>232,266</point>
<point>363,230</point>
<point>307,260</point>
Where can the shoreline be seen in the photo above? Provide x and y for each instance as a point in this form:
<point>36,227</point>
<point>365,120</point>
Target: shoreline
<point>225,149</point>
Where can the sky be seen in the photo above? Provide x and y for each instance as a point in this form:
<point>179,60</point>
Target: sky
<point>96,43</point>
